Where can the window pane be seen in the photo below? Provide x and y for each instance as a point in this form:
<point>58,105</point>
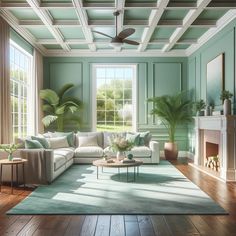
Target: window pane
<point>114,98</point>
<point>20,84</point>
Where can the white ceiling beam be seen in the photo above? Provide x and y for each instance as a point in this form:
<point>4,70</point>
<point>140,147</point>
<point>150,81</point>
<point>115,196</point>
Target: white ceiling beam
<point>159,41</point>
<point>154,18</point>
<point>110,53</point>
<point>46,19</point>
<point>187,21</point>
<point>135,23</point>
<point>120,4</point>
<point>83,19</point>
<point>100,23</point>
<point>14,23</point>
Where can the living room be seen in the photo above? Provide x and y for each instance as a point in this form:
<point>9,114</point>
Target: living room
<point>81,77</point>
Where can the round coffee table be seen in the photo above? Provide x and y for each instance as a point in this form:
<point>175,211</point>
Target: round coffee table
<point>118,164</point>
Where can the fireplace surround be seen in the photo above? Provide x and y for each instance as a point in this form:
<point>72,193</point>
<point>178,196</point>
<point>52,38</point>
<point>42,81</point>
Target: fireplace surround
<point>217,135</point>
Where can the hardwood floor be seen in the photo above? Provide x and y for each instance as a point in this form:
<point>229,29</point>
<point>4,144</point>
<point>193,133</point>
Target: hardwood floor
<point>130,225</point>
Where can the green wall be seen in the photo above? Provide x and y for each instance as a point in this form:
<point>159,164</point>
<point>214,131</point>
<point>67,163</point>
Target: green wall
<point>223,42</point>
<point>155,77</point>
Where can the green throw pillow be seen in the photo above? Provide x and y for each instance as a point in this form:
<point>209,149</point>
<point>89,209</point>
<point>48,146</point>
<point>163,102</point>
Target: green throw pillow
<point>32,144</point>
<point>144,138</point>
<point>43,141</point>
<point>69,136</point>
<point>134,138</point>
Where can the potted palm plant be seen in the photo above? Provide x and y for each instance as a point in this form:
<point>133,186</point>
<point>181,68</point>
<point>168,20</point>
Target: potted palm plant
<point>199,107</point>
<point>172,111</point>
<point>57,106</point>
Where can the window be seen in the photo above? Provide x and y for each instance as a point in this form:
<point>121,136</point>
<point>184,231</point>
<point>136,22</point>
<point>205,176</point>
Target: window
<point>20,69</point>
<point>115,96</point>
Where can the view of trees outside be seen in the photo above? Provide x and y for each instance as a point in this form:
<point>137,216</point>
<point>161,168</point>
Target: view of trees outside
<point>114,98</point>
<point>19,74</point>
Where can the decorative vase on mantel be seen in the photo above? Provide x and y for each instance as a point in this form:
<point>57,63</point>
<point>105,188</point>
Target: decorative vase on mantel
<point>227,107</point>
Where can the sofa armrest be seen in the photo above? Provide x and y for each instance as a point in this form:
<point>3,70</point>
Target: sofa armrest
<point>154,146</point>
<point>38,169</point>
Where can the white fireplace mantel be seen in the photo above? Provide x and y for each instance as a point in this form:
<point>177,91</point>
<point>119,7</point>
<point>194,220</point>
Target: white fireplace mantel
<point>227,145</point>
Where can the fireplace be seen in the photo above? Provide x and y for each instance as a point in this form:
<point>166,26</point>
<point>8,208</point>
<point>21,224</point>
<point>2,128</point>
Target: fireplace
<point>216,145</point>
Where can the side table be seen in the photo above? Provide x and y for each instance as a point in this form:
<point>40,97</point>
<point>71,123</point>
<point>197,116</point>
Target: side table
<point>6,162</point>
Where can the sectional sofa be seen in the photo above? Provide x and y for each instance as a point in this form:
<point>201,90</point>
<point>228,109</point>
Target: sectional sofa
<point>45,164</point>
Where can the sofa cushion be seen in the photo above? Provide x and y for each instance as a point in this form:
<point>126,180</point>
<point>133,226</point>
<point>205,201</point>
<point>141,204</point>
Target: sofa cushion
<point>68,153</point>
<point>86,134</point>
<point>141,151</point>
<point>69,135</point>
<point>88,152</point>
<point>59,161</point>
<point>88,141</point>
<point>58,142</point>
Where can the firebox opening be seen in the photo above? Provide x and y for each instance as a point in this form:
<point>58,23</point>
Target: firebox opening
<point>212,156</point>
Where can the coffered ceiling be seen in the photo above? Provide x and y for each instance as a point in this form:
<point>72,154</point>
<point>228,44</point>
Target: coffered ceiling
<point>162,28</point>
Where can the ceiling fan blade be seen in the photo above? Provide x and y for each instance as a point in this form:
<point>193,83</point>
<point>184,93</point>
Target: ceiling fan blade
<point>94,31</point>
<point>126,33</point>
<point>130,42</point>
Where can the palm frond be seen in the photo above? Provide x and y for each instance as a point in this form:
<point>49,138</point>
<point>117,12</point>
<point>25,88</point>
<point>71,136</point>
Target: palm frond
<point>48,108</point>
<point>47,120</point>
<point>74,100</point>
<point>49,96</point>
<point>64,89</point>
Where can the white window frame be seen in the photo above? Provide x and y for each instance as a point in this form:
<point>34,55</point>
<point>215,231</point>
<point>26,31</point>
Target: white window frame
<point>30,104</point>
<point>94,91</point>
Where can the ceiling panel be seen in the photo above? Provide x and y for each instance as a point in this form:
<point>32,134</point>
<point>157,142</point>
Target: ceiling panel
<point>72,33</point>
<point>63,14</point>
<point>24,14</point>
<point>40,32</point>
<point>61,26</point>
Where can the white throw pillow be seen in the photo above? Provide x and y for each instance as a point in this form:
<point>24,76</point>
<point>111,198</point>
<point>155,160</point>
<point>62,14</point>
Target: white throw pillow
<point>88,141</point>
<point>58,142</point>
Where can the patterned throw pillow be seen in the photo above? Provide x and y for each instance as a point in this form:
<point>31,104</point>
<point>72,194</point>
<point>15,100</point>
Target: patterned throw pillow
<point>33,144</point>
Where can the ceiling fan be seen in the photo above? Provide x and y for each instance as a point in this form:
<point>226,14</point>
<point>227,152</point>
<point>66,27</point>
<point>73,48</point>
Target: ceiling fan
<point>120,38</point>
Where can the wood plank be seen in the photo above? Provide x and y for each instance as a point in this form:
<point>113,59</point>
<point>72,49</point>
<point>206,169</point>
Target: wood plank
<point>103,225</point>
<point>75,225</point>
<point>159,226</point>
<point>145,226</point>
<point>89,225</point>
<point>117,225</point>
<point>132,228</point>
<point>17,226</point>
<point>180,225</point>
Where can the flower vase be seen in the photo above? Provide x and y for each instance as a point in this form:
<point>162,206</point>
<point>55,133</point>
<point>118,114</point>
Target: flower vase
<point>10,157</point>
<point>119,155</point>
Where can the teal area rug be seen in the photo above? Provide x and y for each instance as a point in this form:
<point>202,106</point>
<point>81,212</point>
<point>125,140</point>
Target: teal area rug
<point>159,189</point>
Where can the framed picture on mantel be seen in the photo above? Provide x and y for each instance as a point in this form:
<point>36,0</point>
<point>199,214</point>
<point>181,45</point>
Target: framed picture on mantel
<point>215,80</point>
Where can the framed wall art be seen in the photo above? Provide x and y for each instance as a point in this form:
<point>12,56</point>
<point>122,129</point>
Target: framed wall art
<point>215,80</point>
